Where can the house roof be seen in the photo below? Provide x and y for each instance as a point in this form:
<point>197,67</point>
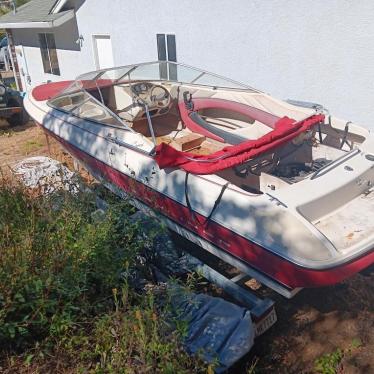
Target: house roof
<point>36,14</point>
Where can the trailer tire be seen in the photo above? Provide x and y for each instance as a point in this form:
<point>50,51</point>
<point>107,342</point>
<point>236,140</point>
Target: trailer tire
<point>18,119</point>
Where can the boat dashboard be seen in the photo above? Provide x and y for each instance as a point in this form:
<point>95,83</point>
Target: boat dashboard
<point>132,101</point>
<point>154,95</point>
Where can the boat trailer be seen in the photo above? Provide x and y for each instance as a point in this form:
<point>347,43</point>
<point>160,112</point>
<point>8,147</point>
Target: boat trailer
<point>262,309</point>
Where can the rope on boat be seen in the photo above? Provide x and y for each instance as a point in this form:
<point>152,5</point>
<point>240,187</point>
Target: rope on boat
<point>216,203</point>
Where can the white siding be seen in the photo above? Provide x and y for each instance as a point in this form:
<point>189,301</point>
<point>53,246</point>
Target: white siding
<point>316,50</point>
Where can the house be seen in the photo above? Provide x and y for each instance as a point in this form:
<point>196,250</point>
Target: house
<point>320,51</point>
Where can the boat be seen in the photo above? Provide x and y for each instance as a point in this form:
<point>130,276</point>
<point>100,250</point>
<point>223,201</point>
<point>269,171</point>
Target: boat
<point>281,186</point>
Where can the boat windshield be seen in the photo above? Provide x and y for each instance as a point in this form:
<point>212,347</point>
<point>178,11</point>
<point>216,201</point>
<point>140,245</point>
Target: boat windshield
<point>127,95</point>
<point>152,71</point>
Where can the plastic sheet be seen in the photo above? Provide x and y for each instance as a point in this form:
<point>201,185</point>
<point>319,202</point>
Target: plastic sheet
<point>220,331</point>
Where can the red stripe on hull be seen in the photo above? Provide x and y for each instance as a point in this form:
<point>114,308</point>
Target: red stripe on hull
<point>256,256</point>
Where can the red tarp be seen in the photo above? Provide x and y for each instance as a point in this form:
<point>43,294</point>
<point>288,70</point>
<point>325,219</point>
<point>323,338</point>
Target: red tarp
<point>284,130</point>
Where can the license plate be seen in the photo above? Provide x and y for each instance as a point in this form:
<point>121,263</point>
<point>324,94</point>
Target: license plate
<point>265,323</point>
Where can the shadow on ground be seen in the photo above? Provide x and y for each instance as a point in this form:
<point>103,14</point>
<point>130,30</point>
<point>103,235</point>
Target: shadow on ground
<point>317,322</point>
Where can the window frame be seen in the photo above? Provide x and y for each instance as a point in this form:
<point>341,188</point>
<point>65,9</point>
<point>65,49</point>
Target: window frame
<point>123,127</point>
<point>167,51</point>
<point>50,62</point>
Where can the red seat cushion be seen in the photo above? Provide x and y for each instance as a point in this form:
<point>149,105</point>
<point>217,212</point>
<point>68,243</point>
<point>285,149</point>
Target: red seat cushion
<point>49,90</point>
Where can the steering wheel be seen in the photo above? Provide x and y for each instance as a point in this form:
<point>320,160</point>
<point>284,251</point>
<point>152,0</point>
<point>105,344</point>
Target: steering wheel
<point>159,96</point>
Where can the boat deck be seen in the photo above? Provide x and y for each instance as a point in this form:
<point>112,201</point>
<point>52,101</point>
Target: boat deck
<point>169,128</point>
<point>351,223</point>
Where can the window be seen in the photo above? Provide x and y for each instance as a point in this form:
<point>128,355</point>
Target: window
<point>167,51</point>
<point>49,54</point>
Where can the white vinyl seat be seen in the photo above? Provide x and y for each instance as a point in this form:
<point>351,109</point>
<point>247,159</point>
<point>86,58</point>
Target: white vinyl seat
<point>123,104</point>
<point>253,131</point>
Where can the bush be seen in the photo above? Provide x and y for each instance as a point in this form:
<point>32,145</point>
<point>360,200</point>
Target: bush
<point>55,262</point>
<point>64,294</point>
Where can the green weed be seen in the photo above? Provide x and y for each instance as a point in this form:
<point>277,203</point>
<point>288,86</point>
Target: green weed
<point>31,146</point>
<point>66,300</point>
<point>329,363</point>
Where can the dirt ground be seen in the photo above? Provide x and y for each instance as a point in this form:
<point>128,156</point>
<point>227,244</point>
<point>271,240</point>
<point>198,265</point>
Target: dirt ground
<point>313,324</point>
<point>19,142</point>
<point>317,322</point>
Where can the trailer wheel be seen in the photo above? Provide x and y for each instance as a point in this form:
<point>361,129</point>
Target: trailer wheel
<point>18,119</point>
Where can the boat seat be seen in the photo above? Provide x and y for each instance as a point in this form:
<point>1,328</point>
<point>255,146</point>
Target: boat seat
<point>195,122</point>
<point>195,91</point>
<point>249,130</point>
<point>253,131</point>
<point>120,101</point>
<point>130,114</point>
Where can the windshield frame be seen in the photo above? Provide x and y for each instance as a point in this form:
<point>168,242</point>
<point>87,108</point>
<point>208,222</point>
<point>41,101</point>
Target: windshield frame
<point>95,75</point>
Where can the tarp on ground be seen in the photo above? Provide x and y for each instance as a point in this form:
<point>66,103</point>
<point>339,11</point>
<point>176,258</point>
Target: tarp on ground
<point>218,330</point>
<point>46,174</point>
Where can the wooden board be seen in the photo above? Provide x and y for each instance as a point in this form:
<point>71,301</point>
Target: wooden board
<point>207,147</point>
<point>187,142</point>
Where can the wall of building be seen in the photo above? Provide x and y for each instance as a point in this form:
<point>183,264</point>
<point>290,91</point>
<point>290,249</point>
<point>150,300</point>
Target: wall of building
<point>68,53</point>
<point>314,50</point>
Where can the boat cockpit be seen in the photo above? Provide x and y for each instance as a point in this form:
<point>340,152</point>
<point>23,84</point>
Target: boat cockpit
<point>201,113</point>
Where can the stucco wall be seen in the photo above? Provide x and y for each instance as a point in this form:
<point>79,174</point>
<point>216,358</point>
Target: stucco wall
<point>316,50</point>
<point>68,53</point>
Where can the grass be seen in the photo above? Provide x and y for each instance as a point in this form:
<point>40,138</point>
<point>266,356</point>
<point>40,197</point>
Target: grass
<point>67,291</point>
<point>6,132</point>
<point>31,146</point>
<point>330,363</point>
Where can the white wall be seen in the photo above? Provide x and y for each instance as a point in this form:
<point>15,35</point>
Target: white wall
<point>68,52</point>
<point>316,50</point>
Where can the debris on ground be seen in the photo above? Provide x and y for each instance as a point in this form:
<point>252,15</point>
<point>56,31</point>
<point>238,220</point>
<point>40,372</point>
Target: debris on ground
<point>46,175</point>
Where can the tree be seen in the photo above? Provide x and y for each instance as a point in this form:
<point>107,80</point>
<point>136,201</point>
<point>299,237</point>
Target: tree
<point>6,6</point>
